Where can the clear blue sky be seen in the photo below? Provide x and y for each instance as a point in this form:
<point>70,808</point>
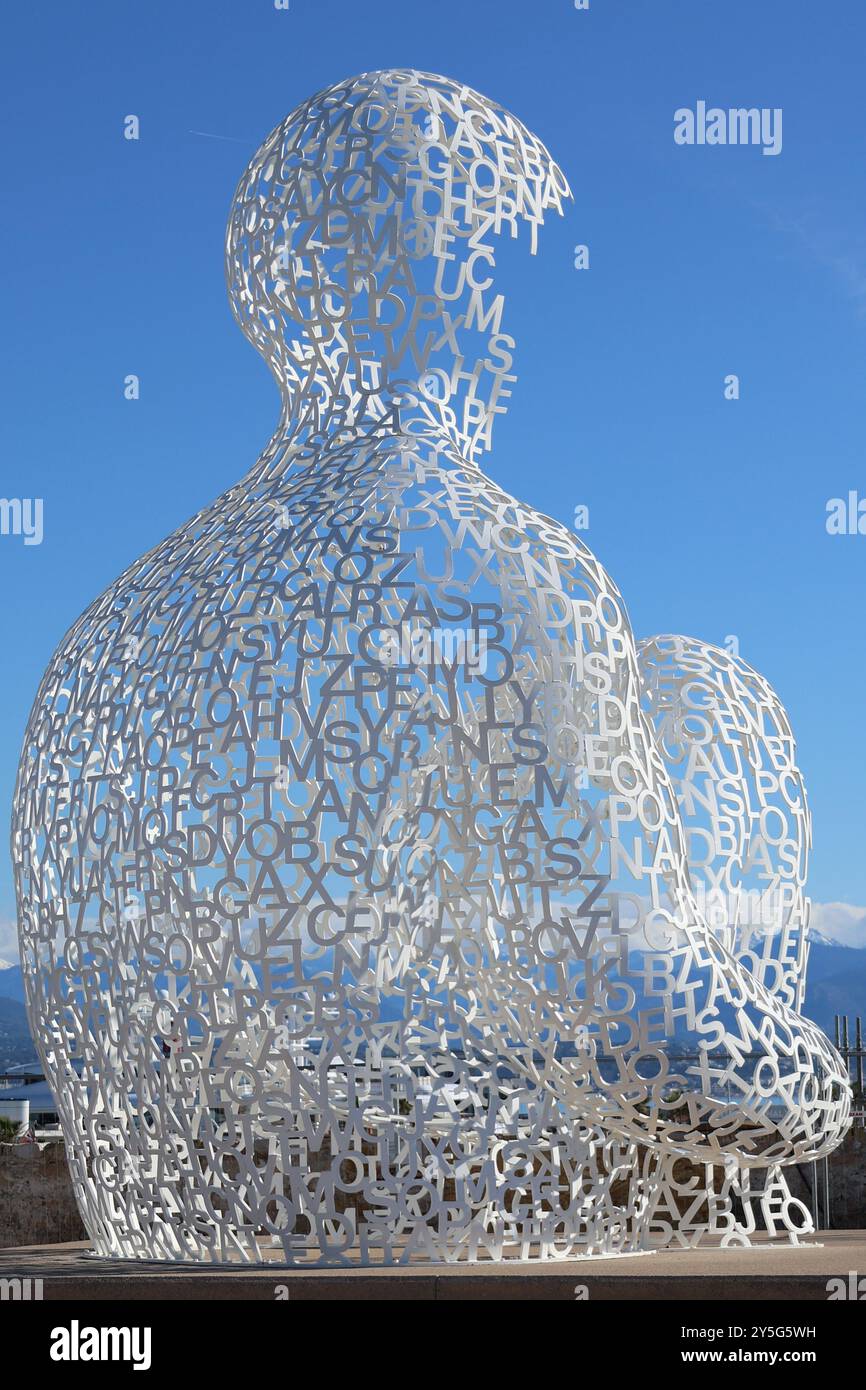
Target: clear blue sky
<point>709,513</point>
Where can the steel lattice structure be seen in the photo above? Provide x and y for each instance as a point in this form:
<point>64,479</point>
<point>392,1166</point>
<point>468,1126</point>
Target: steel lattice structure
<point>379,899</point>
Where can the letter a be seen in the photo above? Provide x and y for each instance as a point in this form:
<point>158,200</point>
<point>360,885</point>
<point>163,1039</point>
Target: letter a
<point>684,126</point>
<point>59,1350</point>
<point>837,517</point>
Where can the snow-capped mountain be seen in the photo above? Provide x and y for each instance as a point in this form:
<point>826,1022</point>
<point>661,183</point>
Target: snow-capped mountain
<point>817,938</point>
<point>835,982</point>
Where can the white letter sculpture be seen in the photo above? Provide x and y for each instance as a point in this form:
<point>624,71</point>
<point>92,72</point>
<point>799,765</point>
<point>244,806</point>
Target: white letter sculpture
<point>378,900</point>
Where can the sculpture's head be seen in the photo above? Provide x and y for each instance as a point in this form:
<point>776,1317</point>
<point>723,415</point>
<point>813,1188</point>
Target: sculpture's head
<point>359,252</point>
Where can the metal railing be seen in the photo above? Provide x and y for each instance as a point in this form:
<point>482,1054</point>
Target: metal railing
<point>852,1054</point>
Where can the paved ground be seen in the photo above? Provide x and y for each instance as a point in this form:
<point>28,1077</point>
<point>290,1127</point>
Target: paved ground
<point>771,1272</point>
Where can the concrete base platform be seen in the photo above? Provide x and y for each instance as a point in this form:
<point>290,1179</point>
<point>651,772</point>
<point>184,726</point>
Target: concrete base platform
<point>771,1272</point>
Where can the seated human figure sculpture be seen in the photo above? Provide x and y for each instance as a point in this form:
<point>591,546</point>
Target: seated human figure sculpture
<point>356,905</point>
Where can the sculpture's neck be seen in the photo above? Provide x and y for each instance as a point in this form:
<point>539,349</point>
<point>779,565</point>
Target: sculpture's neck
<point>321,438</point>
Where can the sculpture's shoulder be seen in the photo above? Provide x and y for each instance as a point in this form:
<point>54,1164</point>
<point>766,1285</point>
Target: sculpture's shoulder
<point>467,511</point>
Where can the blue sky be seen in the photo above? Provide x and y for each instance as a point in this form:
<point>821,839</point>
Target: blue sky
<point>704,261</point>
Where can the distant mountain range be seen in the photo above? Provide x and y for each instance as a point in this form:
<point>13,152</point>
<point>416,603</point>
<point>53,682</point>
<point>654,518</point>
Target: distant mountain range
<point>15,1042</point>
<point>836,985</point>
<point>11,983</point>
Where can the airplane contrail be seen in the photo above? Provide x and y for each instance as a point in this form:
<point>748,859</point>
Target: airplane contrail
<point>209,135</point>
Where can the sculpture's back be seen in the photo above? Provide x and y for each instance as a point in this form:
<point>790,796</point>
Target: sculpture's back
<point>354,902</point>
